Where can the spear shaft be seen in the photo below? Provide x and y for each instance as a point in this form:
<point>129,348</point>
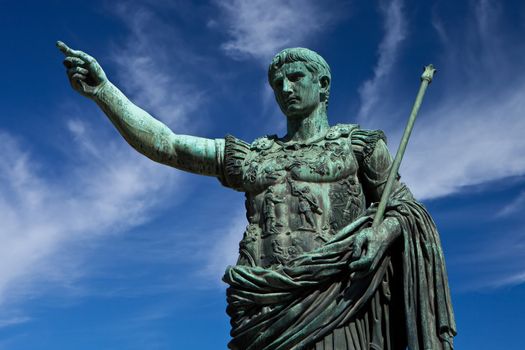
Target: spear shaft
<point>426,79</point>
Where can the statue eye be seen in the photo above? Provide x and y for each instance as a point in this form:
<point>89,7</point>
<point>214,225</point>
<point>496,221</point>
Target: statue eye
<point>278,83</point>
<point>294,77</point>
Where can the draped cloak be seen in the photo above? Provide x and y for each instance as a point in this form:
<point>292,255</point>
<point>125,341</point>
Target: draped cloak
<point>315,302</point>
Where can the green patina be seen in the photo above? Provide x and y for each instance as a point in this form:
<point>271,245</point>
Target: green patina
<point>314,271</point>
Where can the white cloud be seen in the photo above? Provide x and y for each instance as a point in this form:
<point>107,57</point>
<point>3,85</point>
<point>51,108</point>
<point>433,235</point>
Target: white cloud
<point>465,143</point>
<point>395,32</point>
<point>6,322</point>
<point>494,259</point>
<point>516,206</point>
<point>107,189</point>
<point>156,68</point>
<point>103,187</point>
<point>224,249</point>
<point>512,280</point>
<point>260,28</point>
<point>475,133</point>
<point>469,132</point>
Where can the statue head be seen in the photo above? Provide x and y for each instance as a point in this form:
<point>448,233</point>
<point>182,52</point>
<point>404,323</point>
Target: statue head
<point>301,68</point>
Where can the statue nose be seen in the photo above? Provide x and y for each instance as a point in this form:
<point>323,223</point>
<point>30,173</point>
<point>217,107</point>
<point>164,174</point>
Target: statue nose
<point>287,85</point>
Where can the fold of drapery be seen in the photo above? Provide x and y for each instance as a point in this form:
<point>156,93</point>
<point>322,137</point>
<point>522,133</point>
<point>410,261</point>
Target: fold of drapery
<point>430,319</point>
<point>293,306</point>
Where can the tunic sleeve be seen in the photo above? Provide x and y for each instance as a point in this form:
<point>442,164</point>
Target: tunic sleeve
<point>233,156</point>
<point>374,161</point>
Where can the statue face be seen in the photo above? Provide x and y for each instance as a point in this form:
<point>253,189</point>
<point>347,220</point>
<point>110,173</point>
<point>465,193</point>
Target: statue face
<point>296,90</point>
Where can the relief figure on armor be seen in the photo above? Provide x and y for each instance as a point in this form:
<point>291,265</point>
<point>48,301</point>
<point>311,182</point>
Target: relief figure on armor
<point>361,286</point>
<point>271,223</point>
<point>307,207</point>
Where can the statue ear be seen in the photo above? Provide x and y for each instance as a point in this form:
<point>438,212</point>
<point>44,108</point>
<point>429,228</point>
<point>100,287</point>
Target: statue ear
<point>324,83</point>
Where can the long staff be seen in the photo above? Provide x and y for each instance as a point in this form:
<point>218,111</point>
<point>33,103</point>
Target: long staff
<point>426,79</point>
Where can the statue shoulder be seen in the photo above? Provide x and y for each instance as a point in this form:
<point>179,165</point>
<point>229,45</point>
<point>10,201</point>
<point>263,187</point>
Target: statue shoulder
<point>263,143</point>
<point>365,141</point>
<point>341,130</point>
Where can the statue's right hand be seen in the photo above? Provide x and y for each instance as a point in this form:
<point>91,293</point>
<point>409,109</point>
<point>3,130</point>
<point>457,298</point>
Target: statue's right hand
<point>84,73</point>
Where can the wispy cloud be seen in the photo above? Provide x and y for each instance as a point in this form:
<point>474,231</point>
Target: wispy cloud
<point>471,133</point>
<point>395,33</point>
<point>474,132</point>
<point>512,280</point>
<point>260,28</point>
<point>470,130</point>
<point>6,322</point>
<point>225,249</point>
<point>515,206</point>
<point>103,187</point>
<point>158,68</point>
<point>494,259</point>
<point>106,190</point>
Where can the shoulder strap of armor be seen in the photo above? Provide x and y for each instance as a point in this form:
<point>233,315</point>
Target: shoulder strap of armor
<point>340,130</point>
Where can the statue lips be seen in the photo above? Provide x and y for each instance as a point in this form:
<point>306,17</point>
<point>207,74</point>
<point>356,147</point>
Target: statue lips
<point>292,100</point>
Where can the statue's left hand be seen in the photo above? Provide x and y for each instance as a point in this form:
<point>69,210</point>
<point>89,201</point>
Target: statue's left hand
<point>370,245</point>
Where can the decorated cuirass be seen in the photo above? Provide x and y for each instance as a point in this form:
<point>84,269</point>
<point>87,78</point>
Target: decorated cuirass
<point>298,195</point>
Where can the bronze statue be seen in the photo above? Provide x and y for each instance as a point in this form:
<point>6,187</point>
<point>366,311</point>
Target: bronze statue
<point>313,273</point>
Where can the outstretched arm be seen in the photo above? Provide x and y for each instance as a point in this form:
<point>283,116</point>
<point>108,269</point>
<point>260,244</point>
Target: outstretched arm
<point>143,132</point>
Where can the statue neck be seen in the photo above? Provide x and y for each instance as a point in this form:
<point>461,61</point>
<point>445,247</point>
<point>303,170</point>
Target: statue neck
<point>311,127</point>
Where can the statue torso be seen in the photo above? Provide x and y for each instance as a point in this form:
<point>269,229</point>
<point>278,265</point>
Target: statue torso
<point>298,195</point>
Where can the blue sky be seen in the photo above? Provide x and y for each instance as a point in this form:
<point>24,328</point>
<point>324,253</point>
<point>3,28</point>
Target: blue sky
<point>104,249</point>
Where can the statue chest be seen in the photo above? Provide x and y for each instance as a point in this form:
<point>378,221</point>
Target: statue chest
<point>297,197</point>
<point>274,162</point>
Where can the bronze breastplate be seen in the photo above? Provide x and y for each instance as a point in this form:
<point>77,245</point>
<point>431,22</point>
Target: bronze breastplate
<point>297,197</point>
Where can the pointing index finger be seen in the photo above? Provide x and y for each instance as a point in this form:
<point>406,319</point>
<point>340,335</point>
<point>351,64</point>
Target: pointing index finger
<point>66,50</point>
